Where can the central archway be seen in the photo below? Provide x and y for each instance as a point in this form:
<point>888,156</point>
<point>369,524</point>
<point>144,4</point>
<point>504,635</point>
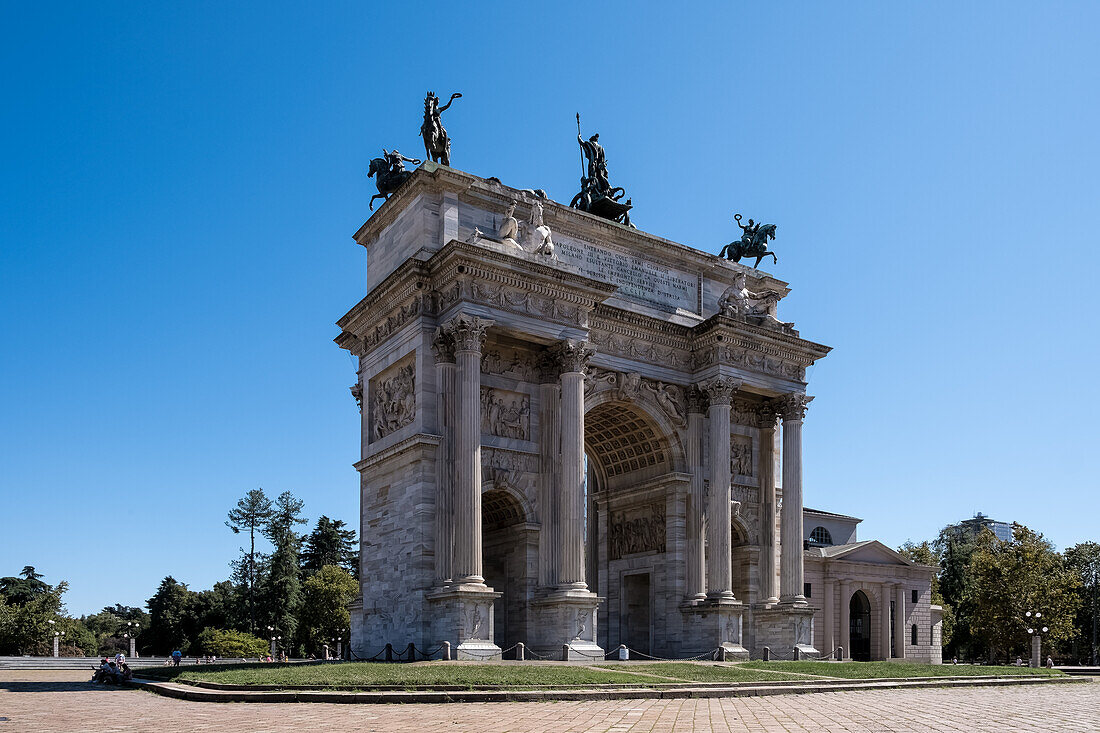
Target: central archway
<point>859,626</point>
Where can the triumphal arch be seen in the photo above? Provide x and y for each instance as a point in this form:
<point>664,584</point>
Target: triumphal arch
<point>575,435</point>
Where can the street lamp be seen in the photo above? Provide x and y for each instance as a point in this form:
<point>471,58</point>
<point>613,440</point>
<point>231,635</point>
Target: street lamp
<point>131,633</point>
<point>271,633</point>
<point>340,643</point>
<point>1036,630</point>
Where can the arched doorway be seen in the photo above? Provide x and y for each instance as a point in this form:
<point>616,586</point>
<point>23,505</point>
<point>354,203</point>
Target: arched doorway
<point>505,562</point>
<point>859,629</point>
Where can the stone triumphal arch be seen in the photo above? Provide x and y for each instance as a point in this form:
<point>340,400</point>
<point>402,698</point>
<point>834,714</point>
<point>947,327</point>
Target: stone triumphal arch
<point>572,446</point>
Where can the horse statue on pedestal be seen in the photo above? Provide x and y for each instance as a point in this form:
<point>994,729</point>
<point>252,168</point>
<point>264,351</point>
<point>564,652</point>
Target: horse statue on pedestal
<point>437,144</point>
<point>389,172</point>
<point>753,243</point>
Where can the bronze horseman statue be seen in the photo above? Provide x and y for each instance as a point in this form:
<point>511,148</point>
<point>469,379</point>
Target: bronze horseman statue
<point>437,145</point>
<point>389,173</point>
<point>753,242</point>
<point>597,196</point>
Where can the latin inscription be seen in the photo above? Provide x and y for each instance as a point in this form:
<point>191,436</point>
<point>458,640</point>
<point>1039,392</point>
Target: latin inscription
<point>636,278</point>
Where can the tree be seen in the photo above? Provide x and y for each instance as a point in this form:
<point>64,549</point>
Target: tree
<point>283,582</point>
<point>25,627</point>
<point>251,514</point>
<point>1084,561</point>
<point>330,544</point>
<point>169,611</point>
<point>229,643</point>
<point>23,589</point>
<point>325,598</point>
<point>926,554</point>
<point>1015,576</point>
<point>955,546</point>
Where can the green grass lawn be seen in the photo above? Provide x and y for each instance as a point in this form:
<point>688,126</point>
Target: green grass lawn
<point>705,672</point>
<point>365,675</point>
<point>885,670</point>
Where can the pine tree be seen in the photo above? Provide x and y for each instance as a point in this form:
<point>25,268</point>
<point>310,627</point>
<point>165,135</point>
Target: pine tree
<point>251,514</point>
<point>282,588</point>
<point>330,544</point>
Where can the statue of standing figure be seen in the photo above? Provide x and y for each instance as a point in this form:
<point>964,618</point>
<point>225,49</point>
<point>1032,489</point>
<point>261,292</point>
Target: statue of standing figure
<point>597,195</point>
<point>437,144</point>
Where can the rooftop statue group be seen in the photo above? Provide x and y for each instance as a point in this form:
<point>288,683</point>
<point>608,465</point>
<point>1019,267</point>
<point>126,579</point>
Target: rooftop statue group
<point>597,196</point>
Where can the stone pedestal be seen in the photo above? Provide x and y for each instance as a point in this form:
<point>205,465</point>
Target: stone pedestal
<point>464,617</point>
<point>783,628</point>
<point>566,617</point>
<point>711,624</point>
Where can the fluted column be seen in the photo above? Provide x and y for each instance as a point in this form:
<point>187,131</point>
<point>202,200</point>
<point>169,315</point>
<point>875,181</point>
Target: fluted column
<point>900,631</point>
<point>468,333</point>
<point>444,348</point>
<point>550,461</point>
<point>769,579</point>
<point>574,357</point>
<point>695,573</point>
<point>790,562</point>
<point>719,511</point>
<point>828,602</point>
<point>884,619</point>
<point>846,618</point>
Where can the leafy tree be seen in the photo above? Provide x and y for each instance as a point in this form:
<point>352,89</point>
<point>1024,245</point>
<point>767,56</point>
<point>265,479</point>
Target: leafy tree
<point>1084,561</point>
<point>109,627</point>
<point>330,544</point>
<point>925,553</point>
<point>955,546</point>
<point>229,643</point>
<point>283,583</point>
<point>251,515</point>
<point>1015,576</point>
<point>326,595</point>
<point>25,627</point>
<point>170,617</point>
<point>23,589</point>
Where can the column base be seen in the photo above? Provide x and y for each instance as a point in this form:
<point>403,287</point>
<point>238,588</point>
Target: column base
<point>714,623</point>
<point>783,628</point>
<point>566,617</point>
<point>463,615</point>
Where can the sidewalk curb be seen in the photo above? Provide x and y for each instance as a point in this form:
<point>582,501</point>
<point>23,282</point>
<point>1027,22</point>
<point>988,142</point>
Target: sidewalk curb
<point>745,689</point>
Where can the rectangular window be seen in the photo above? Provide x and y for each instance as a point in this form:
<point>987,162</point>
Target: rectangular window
<point>916,595</point>
<point>806,590</point>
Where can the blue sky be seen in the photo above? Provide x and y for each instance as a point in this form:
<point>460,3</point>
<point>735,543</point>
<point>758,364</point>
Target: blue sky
<point>181,183</point>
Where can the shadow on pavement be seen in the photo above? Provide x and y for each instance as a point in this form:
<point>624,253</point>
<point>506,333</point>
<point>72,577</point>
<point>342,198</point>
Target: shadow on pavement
<point>56,686</point>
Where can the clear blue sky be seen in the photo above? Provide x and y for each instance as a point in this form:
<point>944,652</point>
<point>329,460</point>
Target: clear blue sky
<point>181,182</point>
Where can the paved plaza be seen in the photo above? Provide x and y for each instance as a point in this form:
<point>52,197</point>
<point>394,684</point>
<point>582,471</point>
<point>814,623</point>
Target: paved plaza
<point>45,701</point>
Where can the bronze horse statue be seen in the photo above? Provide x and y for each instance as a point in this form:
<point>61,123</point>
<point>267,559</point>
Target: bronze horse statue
<point>437,144</point>
<point>754,244</point>
<point>389,173</point>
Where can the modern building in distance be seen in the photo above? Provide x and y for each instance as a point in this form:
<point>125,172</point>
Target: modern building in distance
<point>974,525</point>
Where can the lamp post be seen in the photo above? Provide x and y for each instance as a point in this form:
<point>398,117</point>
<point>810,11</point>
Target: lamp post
<point>1036,631</point>
<point>131,633</point>
<point>271,633</point>
<point>340,643</point>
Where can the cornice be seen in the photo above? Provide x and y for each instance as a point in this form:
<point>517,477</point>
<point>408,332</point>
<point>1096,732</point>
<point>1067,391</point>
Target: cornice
<point>413,441</point>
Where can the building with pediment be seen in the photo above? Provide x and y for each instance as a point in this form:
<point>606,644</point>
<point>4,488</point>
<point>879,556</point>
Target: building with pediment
<point>590,442</point>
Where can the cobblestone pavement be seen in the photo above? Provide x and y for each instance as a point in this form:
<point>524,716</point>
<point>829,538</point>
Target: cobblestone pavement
<point>46,701</point>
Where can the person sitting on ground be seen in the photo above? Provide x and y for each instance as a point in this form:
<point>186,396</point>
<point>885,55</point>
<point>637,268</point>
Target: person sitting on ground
<point>100,673</point>
<point>125,673</point>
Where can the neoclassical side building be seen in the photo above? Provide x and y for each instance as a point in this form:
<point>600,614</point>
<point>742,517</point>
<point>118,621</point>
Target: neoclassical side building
<point>593,443</point>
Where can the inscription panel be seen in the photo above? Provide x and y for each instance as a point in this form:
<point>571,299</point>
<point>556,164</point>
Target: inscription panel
<point>665,287</point>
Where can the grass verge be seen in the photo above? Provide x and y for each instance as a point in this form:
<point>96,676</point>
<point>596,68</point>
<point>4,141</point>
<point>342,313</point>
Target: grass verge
<point>706,672</point>
<point>894,670</point>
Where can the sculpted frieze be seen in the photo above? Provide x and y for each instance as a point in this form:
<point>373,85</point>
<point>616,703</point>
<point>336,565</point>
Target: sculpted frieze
<point>393,399</point>
<point>505,414</point>
<point>510,362</point>
<point>637,529</point>
<point>640,350</point>
<point>509,460</point>
<point>745,494</point>
<point>749,359</point>
<point>741,456</point>
<point>630,386</point>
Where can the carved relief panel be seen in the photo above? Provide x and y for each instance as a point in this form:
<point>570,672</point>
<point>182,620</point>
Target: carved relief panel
<point>637,529</point>
<point>741,463</point>
<point>393,399</point>
<point>505,414</point>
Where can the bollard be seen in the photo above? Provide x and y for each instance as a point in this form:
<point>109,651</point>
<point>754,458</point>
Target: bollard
<point>565,652</point>
<point>624,653</point>
<point>446,651</point>
<point>410,650</point>
<point>767,654</point>
<point>389,652</point>
<point>840,654</point>
<point>721,654</point>
<point>519,651</point>
<point>797,654</point>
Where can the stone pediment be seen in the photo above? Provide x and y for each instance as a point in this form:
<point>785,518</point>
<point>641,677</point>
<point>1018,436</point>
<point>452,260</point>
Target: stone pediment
<point>868,551</point>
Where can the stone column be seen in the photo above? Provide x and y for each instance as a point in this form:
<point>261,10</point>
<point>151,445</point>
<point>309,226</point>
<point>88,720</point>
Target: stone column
<point>884,618</point>
<point>828,617</point>
<point>444,347</point>
<point>719,511</point>
<point>550,461</point>
<point>769,579</point>
<point>695,586</point>
<point>846,618</point>
<point>468,333</point>
<point>574,357</point>
<point>900,631</point>
<point>790,563</point>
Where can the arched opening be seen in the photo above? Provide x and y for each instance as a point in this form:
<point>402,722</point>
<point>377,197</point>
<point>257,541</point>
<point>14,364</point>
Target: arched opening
<point>913,636</point>
<point>859,629</point>
<point>505,563</point>
<point>821,536</point>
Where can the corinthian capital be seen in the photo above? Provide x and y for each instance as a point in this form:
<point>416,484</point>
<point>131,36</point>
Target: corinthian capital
<point>468,332</point>
<point>767,414</point>
<point>443,346</point>
<point>720,389</point>
<point>573,355</point>
<point>793,406</point>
